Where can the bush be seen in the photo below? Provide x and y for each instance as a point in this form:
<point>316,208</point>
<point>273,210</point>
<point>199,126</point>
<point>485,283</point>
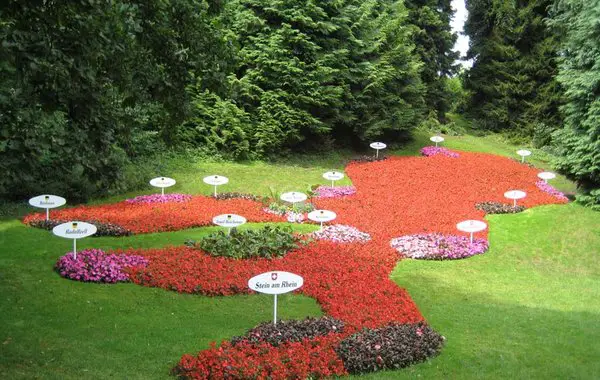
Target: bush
<point>234,195</point>
<point>290,331</point>
<point>268,242</point>
<point>104,229</point>
<point>498,208</point>
<point>391,347</point>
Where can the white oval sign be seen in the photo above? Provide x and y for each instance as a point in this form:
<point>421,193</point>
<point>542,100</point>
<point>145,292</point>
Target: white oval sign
<point>162,182</point>
<point>293,197</point>
<point>378,145</point>
<point>275,282</point>
<point>74,230</point>
<point>523,153</point>
<point>515,194</point>
<point>229,220</point>
<point>437,139</point>
<point>546,175</point>
<point>321,216</point>
<point>47,201</point>
<point>333,176</point>
<point>215,180</point>
<point>471,226</point>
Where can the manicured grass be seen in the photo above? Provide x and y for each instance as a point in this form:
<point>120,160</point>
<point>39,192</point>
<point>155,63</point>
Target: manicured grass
<point>526,309</point>
<point>54,328</point>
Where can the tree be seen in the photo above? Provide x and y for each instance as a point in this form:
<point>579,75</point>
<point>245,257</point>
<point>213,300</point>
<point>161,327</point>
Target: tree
<point>578,143</point>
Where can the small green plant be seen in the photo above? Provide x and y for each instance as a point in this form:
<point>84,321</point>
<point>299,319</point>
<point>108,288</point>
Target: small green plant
<point>267,242</point>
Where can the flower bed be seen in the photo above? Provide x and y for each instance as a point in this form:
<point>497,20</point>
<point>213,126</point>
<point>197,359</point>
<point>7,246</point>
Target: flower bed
<point>103,229</point>
<point>340,233</point>
<point>547,188</point>
<point>334,192</point>
<point>438,247</point>
<point>498,208</point>
<point>94,265</point>
<point>160,198</point>
<point>429,151</point>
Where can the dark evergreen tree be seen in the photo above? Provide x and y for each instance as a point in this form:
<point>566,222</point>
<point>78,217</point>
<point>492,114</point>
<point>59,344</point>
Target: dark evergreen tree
<point>578,144</point>
<point>512,83</point>
<point>434,42</point>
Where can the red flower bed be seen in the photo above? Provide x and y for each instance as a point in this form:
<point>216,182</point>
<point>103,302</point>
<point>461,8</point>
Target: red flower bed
<point>395,197</point>
<point>157,217</point>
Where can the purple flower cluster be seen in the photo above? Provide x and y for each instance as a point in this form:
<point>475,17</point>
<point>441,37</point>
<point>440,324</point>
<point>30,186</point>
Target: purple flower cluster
<point>545,187</point>
<point>341,233</point>
<point>433,150</point>
<point>437,246</point>
<point>94,265</point>
<point>334,192</point>
<point>159,198</point>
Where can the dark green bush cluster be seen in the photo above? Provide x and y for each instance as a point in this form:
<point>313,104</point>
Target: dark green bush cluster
<point>290,331</point>
<point>104,229</point>
<point>267,242</point>
<point>390,347</point>
<point>235,195</point>
<point>366,158</point>
<point>281,209</point>
<point>498,208</point>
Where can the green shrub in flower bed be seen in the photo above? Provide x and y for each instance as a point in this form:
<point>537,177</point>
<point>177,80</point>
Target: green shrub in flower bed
<point>104,229</point>
<point>235,195</point>
<point>290,331</point>
<point>366,158</point>
<point>267,242</point>
<point>498,208</point>
<point>282,209</point>
<point>390,347</point>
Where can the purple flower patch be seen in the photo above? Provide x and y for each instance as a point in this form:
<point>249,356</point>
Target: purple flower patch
<point>545,187</point>
<point>159,198</point>
<point>340,233</point>
<point>429,151</point>
<point>94,265</point>
<point>334,192</point>
<point>438,246</point>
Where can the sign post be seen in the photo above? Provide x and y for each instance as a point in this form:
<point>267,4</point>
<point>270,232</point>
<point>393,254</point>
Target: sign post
<point>471,226</point>
<point>74,230</point>
<point>377,146</point>
<point>321,216</point>
<point>162,182</point>
<point>333,176</point>
<point>436,140</point>
<point>215,180</point>
<point>276,282</point>
<point>47,201</point>
<point>514,195</point>
<point>546,176</point>
<point>523,153</point>
<point>293,197</point>
<point>229,221</point>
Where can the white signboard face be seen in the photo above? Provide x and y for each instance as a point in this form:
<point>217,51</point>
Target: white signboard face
<point>162,182</point>
<point>523,153</point>
<point>293,197</point>
<point>74,230</point>
<point>47,201</point>
<point>471,226</point>
<point>437,139</point>
<point>321,216</point>
<point>215,180</point>
<point>229,220</point>
<point>378,145</point>
<point>275,282</point>
<point>515,194</point>
<point>546,175</point>
<point>333,176</point>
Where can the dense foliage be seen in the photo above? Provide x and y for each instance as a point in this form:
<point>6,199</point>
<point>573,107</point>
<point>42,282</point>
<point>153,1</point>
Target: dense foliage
<point>390,347</point>
<point>267,242</point>
<point>512,82</point>
<point>578,144</point>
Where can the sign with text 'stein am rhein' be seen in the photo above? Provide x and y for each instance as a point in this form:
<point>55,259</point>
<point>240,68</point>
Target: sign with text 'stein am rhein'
<point>275,282</point>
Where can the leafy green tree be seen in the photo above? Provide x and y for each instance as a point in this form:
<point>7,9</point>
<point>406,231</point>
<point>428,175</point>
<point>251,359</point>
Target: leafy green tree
<point>578,144</point>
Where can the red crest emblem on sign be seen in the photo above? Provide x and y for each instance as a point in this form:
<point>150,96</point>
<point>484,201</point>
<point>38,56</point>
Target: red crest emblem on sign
<point>273,276</point>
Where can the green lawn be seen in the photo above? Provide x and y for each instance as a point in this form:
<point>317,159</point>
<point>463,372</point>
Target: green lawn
<point>528,308</point>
